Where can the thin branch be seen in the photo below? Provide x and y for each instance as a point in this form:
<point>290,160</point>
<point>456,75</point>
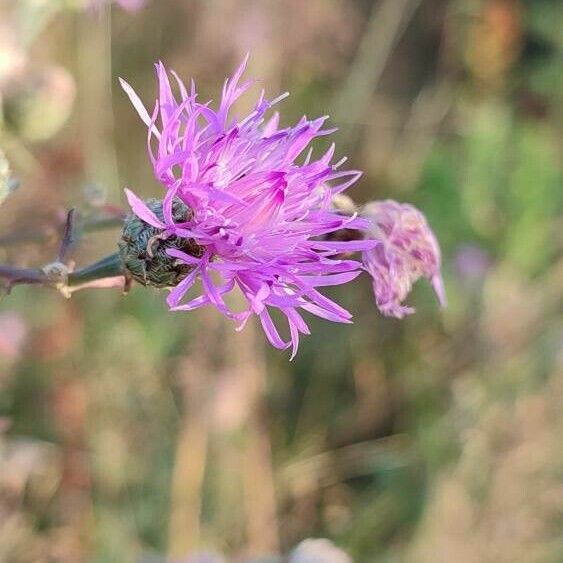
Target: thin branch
<point>86,225</point>
<point>108,272</point>
<point>15,276</point>
<point>68,235</point>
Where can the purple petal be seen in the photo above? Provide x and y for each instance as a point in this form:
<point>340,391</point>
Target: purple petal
<point>142,211</point>
<point>138,105</point>
<point>176,294</point>
<point>271,332</point>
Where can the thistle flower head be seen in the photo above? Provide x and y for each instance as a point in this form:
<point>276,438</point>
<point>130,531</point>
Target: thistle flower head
<point>260,209</point>
<point>407,250</point>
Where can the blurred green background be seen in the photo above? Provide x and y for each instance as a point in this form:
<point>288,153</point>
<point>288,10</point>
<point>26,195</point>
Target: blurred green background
<point>131,434</point>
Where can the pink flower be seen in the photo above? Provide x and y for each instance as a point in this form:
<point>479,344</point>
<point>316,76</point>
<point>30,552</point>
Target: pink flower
<point>407,250</point>
<point>259,208</point>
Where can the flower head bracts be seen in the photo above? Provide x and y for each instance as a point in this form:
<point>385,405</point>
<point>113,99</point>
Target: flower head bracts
<point>260,211</point>
<point>407,251</point>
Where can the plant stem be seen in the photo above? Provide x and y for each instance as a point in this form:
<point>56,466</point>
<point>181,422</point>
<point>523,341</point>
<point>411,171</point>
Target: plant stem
<point>108,267</point>
<point>22,275</point>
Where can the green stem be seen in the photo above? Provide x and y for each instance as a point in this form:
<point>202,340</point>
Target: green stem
<point>108,267</point>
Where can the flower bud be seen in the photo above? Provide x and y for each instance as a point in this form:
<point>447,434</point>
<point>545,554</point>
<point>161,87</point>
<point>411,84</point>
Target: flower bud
<point>144,249</point>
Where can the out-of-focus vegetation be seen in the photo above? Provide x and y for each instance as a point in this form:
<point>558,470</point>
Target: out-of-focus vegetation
<point>128,433</point>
